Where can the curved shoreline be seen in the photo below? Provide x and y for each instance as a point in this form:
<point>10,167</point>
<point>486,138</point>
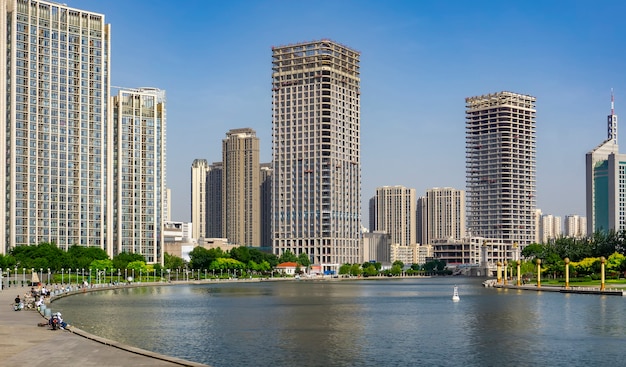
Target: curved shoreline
<point>115,344</point>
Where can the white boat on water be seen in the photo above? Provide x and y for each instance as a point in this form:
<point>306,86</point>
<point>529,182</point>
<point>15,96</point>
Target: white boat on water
<point>455,294</point>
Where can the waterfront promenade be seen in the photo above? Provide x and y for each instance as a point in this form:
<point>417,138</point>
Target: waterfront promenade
<point>25,343</point>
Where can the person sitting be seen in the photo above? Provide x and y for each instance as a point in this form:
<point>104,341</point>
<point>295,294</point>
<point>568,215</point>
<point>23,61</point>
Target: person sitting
<point>56,321</point>
<point>39,303</point>
<point>19,305</point>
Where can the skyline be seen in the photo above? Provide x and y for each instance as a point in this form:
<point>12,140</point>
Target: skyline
<point>419,61</point>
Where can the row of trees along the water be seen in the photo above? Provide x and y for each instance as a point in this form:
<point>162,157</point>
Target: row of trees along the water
<point>47,256</point>
<point>584,255</point>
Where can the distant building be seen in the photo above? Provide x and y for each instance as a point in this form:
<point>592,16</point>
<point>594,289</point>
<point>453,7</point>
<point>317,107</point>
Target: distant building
<point>444,214</point>
<point>394,213</point>
<point>549,228</point>
<point>199,169</point>
<point>241,188</point>
<point>500,138</point>
<point>376,247</point>
<point>265,179</point>
<point>575,226</point>
<point>475,251</point>
<point>606,183</point>
<point>408,254</point>
<point>214,199</point>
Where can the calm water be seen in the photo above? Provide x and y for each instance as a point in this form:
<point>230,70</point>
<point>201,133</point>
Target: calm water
<point>405,322</point>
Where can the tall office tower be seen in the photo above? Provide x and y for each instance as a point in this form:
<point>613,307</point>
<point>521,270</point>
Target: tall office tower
<point>55,86</point>
<point>500,151</point>
<point>214,201</point>
<point>606,187</point>
<point>421,220</point>
<point>316,151</point>
<point>199,199</point>
<point>549,228</point>
<point>139,175</point>
<point>575,226</point>
<point>265,180</point>
<point>445,214</point>
<point>395,208</point>
<point>241,188</point>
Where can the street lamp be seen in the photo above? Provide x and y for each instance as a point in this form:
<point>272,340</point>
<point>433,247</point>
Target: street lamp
<point>23,276</point>
<point>140,274</point>
<point>82,272</point>
<point>62,276</point>
<point>125,275</point>
<point>9,276</point>
<point>48,280</point>
<point>41,275</point>
<point>133,275</point>
<point>177,270</point>
<point>118,276</point>
<point>15,276</point>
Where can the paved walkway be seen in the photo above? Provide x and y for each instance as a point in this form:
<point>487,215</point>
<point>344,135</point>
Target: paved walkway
<point>22,342</point>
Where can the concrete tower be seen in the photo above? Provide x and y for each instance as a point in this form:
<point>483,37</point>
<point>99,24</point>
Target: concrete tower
<point>500,147</point>
<point>54,97</point>
<point>199,170</point>
<point>139,172</point>
<point>214,201</point>
<point>444,214</point>
<point>316,151</point>
<point>240,188</point>
<point>395,213</point>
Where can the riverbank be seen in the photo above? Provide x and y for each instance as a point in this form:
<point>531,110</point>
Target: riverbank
<point>23,342</point>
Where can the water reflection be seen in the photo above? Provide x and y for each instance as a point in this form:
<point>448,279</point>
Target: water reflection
<point>357,323</point>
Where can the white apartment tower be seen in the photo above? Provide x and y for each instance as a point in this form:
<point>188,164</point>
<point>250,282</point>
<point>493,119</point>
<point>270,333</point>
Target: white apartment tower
<point>199,170</point>
<point>444,214</point>
<point>501,166</point>
<point>395,213</point>
<point>316,151</point>
<point>549,228</point>
<point>575,226</point>
<point>139,176</point>
<point>241,188</point>
<point>55,86</point>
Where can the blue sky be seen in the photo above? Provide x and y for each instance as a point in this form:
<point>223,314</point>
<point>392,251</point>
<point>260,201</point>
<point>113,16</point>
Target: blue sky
<point>419,60</point>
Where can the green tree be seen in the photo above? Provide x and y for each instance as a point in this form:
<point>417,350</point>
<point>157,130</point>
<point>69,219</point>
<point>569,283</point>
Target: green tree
<point>241,253</point>
<point>172,261</point>
<point>344,269</point>
<point>303,259</point>
<point>287,256</point>
<point>399,263</point>
<point>355,270</point>
<point>121,260</point>
<point>396,269</point>
<point>101,265</point>
<point>138,266</point>
<point>202,258</point>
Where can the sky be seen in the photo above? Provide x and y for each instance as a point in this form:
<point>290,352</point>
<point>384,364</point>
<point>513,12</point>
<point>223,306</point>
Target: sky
<point>419,61</point>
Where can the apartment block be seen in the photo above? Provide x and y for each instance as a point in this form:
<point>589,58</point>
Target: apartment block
<point>550,228</point>
<point>575,226</point>
<point>395,213</point>
<point>444,213</point>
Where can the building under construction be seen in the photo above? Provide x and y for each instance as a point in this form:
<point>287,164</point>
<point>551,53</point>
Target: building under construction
<point>316,151</point>
<point>501,166</point>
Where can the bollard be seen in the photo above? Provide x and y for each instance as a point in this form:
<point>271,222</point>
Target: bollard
<point>47,312</point>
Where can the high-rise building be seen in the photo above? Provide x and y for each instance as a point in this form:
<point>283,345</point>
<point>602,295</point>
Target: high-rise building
<point>575,226</point>
<point>199,199</point>
<point>421,220</point>
<point>214,201</point>
<point>139,176</point>
<point>395,212</point>
<point>241,187</point>
<point>265,179</point>
<point>316,152</point>
<point>54,97</point>
<point>606,182</point>
<point>444,214</point>
<point>501,166</point>
<point>549,228</point>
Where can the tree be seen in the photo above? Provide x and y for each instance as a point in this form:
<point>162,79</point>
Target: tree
<point>344,269</point>
<point>287,256</point>
<point>241,253</point>
<point>172,262</point>
<point>399,263</point>
<point>121,260</point>
<point>138,266</point>
<point>303,259</point>
<point>202,258</point>
<point>101,264</point>
<point>355,270</point>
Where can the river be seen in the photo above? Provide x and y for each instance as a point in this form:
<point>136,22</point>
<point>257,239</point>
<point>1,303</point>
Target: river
<point>387,322</point>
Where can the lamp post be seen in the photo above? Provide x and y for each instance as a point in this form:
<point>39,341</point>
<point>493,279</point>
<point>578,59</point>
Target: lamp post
<point>538,273</point>
<point>118,276</point>
<point>62,276</point>
<point>23,276</point>
<point>48,280</point>
<point>41,275</point>
<point>169,275</point>
<point>177,270</point>
<point>125,275</point>
<point>140,274</point>
<point>69,276</point>
<point>9,276</point>
<point>567,273</point>
<point>82,272</point>
<point>133,272</point>
<point>15,276</point>
<point>519,276</point>
<point>602,261</point>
